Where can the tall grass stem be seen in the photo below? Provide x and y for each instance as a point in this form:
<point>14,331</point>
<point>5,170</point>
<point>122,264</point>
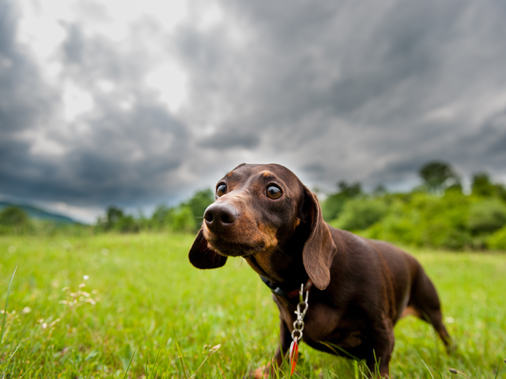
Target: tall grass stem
<point>6,305</point>
<point>129,364</point>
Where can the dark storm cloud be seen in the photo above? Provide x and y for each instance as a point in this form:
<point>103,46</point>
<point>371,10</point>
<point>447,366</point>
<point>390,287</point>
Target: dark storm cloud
<point>122,152</point>
<point>24,98</point>
<point>234,138</point>
<point>129,153</point>
<point>358,89</point>
<point>366,91</point>
<point>484,149</point>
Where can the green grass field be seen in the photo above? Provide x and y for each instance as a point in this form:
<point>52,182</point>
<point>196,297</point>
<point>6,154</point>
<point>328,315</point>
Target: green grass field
<point>146,312</point>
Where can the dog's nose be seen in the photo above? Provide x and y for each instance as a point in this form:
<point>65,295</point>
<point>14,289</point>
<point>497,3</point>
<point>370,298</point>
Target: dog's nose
<point>220,216</point>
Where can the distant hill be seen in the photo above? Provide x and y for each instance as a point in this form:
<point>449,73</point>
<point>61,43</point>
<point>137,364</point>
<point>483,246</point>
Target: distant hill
<point>37,213</point>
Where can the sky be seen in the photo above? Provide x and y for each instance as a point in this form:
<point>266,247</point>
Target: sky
<point>139,103</point>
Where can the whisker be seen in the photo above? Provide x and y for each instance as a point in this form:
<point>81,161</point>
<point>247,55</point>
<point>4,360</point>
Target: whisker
<point>282,252</point>
<point>224,168</point>
<point>240,264</point>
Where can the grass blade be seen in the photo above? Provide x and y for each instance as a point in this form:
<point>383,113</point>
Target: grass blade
<point>181,358</point>
<point>498,368</point>
<point>129,364</point>
<point>6,305</point>
<point>428,369</point>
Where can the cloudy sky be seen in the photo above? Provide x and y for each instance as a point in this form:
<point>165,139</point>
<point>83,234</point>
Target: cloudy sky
<point>135,103</point>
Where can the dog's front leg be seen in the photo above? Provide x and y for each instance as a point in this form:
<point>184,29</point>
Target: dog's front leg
<point>379,360</point>
<point>285,339</point>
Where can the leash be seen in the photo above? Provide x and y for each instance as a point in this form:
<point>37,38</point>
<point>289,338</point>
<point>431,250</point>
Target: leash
<point>298,327</point>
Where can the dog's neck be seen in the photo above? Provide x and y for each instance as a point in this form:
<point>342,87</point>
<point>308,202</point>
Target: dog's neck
<point>280,266</point>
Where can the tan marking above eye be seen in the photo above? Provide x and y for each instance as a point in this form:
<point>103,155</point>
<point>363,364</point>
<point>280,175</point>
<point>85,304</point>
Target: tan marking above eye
<point>266,174</point>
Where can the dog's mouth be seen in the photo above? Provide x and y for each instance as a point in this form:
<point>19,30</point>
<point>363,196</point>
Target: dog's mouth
<point>240,241</point>
<point>233,248</point>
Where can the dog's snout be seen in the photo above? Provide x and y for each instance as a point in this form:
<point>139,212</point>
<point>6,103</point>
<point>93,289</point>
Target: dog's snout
<point>219,216</point>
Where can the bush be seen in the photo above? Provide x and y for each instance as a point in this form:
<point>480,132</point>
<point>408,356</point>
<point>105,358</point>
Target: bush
<point>497,241</point>
<point>13,216</point>
<point>487,216</point>
<point>127,224</point>
<point>185,217</point>
<point>180,219</point>
<point>334,204</point>
<point>14,220</point>
<point>200,201</point>
<point>359,214</point>
<point>422,219</point>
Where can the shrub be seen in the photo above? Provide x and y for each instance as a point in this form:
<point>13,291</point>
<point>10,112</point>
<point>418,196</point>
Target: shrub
<point>425,220</point>
<point>200,201</point>
<point>13,216</point>
<point>359,214</point>
<point>487,216</point>
<point>334,204</point>
<point>180,219</point>
<point>14,220</point>
<point>497,241</point>
<point>127,224</point>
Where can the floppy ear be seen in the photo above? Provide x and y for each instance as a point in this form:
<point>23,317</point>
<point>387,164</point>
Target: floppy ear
<point>319,249</point>
<point>202,256</point>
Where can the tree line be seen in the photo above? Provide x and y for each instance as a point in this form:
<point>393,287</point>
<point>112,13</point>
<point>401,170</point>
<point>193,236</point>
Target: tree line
<point>184,217</point>
<point>436,214</point>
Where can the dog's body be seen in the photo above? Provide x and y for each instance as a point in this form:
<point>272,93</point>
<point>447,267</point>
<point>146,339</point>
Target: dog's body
<point>360,287</point>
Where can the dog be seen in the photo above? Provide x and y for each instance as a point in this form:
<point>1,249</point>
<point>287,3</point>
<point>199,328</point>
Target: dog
<point>358,288</point>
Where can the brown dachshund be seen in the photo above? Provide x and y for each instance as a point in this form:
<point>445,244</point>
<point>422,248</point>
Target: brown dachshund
<point>360,287</point>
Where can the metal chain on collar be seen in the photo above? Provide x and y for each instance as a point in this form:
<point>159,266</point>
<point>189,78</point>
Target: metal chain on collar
<point>298,327</point>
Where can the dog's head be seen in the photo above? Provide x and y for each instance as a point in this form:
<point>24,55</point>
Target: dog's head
<point>258,209</point>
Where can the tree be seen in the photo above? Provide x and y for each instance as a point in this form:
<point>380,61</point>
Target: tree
<point>113,215</point>
<point>186,216</point>
<point>379,190</point>
<point>200,201</point>
<point>115,219</point>
<point>159,216</point>
<point>333,205</point>
<point>481,185</point>
<point>127,224</point>
<point>437,176</point>
<point>181,219</point>
<point>349,191</point>
<point>484,187</point>
<point>13,216</point>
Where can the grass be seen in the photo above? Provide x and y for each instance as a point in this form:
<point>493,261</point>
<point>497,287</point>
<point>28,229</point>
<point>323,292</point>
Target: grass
<point>131,306</point>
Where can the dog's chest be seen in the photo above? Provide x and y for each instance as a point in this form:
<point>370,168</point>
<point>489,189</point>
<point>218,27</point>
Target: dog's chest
<point>324,324</point>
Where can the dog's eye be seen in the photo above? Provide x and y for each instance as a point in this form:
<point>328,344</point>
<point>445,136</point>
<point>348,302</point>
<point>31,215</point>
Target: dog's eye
<point>221,190</point>
<point>274,192</point>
